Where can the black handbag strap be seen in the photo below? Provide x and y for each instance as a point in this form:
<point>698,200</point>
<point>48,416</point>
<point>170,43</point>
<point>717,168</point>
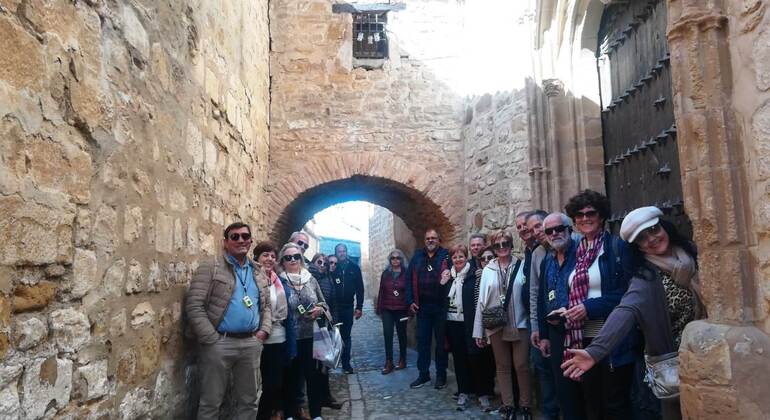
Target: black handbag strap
<point>511,279</point>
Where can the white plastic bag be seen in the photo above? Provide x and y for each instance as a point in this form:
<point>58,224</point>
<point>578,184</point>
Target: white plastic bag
<point>327,345</point>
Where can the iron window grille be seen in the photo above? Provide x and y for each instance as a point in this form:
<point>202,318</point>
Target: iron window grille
<point>369,37</point>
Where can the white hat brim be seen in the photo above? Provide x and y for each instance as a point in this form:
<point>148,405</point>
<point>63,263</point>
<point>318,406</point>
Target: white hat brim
<point>643,226</point>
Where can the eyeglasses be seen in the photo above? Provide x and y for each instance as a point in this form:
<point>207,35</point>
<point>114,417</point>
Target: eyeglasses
<point>644,236</point>
<point>238,236</point>
<point>588,214</point>
<point>488,258</point>
<point>294,257</point>
<point>503,245</point>
<point>395,258</point>
<point>319,262</point>
<point>303,244</point>
<point>556,229</point>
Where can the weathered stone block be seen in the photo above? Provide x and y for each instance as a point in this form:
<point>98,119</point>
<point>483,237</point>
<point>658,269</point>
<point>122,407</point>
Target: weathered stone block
<point>132,227</point>
<point>43,232</point>
<point>10,406</point>
<point>30,298</point>
<point>71,329</point>
<point>135,280</point>
<point>164,233</point>
<point>92,380</point>
<point>22,64</point>
<point>46,385</point>
<point>115,278</point>
<point>135,404</point>
<point>118,323</point>
<point>29,332</point>
<point>126,370</point>
<point>142,316</point>
<point>84,268</point>
<point>148,358</point>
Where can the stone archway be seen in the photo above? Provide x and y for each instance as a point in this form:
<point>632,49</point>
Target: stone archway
<point>419,197</point>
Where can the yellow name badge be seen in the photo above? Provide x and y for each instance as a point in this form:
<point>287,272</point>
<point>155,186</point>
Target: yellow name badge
<point>552,295</point>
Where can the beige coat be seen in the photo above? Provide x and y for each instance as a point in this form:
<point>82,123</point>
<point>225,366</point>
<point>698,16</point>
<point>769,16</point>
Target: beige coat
<point>210,291</point>
<point>489,297</point>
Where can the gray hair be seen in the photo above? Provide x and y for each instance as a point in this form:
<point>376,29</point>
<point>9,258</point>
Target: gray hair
<point>525,213</point>
<point>295,235</point>
<point>481,236</point>
<point>565,220</point>
<point>283,252</point>
<point>401,256</point>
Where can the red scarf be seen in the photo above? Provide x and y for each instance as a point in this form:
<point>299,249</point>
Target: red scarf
<point>586,255</point>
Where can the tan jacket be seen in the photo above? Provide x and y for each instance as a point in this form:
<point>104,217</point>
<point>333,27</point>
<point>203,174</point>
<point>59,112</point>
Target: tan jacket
<point>489,297</point>
<point>210,291</point>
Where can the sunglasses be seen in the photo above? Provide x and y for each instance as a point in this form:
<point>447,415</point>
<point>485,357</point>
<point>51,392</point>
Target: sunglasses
<point>294,257</point>
<point>556,229</point>
<point>303,244</point>
<point>647,234</point>
<point>319,262</point>
<point>503,245</point>
<point>332,262</point>
<point>488,258</point>
<point>395,258</point>
<point>238,236</point>
<point>588,214</point>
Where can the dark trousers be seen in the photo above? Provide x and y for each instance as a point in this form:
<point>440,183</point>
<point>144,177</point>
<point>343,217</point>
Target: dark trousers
<point>568,392</point>
<point>547,387</point>
<point>303,370</point>
<point>273,368</point>
<point>390,319</point>
<point>455,331</point>
<point>345,316</point>
<point>607,390</point>
<point>483,371</point>
<point>431,323</point>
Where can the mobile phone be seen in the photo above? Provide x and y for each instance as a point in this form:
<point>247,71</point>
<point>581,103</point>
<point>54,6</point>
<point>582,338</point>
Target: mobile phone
<point>554,316</point>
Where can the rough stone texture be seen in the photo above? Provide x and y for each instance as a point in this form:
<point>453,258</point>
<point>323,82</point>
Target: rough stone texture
<point>46,385</point>
<point>92,381</point>
<point>142,316</point>
<point>70,329</point>
<point>124,125</point>
<point>398,127</point>
<point>496,180</point>
<point>30,298</point>
<point>10,407</point>
<point>29,332</point>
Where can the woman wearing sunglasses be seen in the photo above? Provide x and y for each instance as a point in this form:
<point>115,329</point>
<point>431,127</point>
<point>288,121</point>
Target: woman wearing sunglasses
<point>307,303</point>
<point>598,274</point>
<point>662,298</point>
<point>319,270</point>
<point>501,283</point>
<point>391,307</point>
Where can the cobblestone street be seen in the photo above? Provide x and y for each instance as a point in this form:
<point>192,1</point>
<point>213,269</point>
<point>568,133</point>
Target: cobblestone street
<point>373,396</point>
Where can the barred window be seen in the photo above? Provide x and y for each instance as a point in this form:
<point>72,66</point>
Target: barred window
<point>369,37</point>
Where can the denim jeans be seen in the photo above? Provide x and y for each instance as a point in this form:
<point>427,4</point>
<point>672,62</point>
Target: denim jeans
<point>547,388</point>
<point>431,323</point>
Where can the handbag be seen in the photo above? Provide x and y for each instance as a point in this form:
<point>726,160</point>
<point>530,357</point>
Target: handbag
<point>662,375</point>
<point>327,343</point>
<point>497,316</point>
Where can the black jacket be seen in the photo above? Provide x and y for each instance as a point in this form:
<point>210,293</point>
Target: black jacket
<point>470,300</point>
<point>348,283</point>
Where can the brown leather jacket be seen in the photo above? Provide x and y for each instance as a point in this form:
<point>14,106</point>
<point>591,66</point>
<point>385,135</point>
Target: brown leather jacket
<point>210,292</point>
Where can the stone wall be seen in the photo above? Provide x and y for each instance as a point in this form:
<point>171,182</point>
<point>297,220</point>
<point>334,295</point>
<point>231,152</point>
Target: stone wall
<point>131,133</point>
<point>399,123</point>
<point>497,185</point>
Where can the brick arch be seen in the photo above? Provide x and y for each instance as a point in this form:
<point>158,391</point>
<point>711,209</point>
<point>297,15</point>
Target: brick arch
<point>420,198</point>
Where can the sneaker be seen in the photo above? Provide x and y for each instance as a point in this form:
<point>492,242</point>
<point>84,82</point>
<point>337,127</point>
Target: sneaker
<point>440,382</point>
<point>506,412</point>
<point>462,401</point>
<point>419,382</point>
<point>349,370</point>
<point>455,395</point>
<point>484,403</point>
<point>318,418</point>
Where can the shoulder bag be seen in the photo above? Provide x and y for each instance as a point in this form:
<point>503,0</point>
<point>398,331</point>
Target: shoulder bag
<point>497,316</point>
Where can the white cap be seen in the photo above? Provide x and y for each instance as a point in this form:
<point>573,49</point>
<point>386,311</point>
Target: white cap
<point>639,220</point>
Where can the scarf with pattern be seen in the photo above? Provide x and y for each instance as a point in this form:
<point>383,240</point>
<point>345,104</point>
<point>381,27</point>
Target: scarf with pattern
<point>586,255</point>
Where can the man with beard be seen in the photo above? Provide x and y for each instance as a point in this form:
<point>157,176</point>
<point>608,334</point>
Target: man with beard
<point>349,284</point>
<point>426,297</point>
<point>559,264</point>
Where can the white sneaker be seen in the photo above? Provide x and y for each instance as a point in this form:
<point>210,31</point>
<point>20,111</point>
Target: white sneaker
<point>462,401</point>
<point>318,418</point>
<point>484,402</point>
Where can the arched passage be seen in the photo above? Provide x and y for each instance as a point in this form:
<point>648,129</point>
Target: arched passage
<point>419,197</point>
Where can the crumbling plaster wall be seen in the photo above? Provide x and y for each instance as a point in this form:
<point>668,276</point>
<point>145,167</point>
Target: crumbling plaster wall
<point>130,133</point>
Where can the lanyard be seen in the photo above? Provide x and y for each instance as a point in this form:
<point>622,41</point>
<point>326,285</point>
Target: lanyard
<point>242,281</point>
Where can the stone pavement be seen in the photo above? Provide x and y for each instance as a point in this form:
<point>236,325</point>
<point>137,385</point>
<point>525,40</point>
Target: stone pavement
<point>370,395</point>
